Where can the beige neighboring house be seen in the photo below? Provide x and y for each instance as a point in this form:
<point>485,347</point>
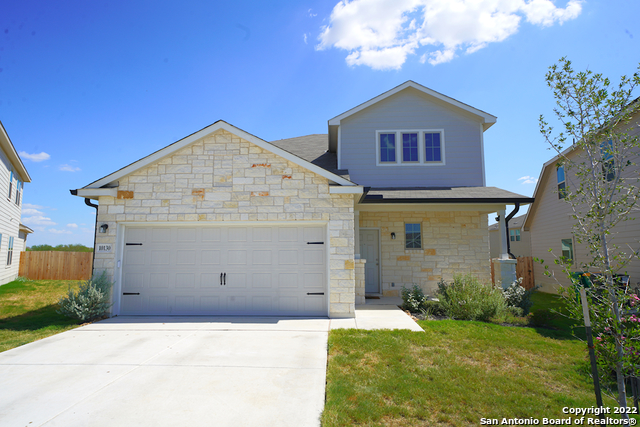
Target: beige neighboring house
<point>519,240</point>
<point>224,222</point>
<point>549,222</point>
<point>13,234</point>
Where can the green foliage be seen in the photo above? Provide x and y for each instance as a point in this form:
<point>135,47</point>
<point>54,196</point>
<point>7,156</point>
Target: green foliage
<point>518,297</point>
<point>433,308</point>
<point>466,298</point>
<point>65,248</point>
<point>89,302</point>
<point>543,317</point>
<point>413,299</point>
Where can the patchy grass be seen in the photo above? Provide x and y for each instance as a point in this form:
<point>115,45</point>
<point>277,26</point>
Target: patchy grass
<point>28,311</point>
<point>456,373</point>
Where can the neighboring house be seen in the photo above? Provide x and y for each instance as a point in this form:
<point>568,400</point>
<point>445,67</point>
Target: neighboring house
<point>13,234</point>
<point>519,240</point>
<point>223,222</point>
<point>550,224</point>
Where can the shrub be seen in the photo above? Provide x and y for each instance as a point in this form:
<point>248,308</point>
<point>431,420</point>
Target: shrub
<point>413,299</point>
<point>517,296</point>
<point>542,317</point>
<point>91,301</point>
<point>433,308</point>
<point>466,298</point>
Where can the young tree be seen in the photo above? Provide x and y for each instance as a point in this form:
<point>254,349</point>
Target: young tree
<point>597,149</point>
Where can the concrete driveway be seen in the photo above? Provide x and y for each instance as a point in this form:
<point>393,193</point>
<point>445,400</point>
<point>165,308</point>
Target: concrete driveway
<point>130,371</point>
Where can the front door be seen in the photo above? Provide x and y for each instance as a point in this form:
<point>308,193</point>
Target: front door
<point>369,250</point>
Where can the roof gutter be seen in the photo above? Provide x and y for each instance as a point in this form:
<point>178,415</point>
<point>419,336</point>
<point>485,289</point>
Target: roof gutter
<point>87,202</point>
<point>380,200</point>
<point>506,226</point>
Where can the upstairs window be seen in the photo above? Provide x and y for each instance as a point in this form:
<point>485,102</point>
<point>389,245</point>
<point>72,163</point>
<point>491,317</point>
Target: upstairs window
<point>562,190</point>
<point>10,185</point>
<point>387,147</point>
<point>19,185</point>
<point>410,147</point>
<point>413,237</point>
<point>10,251</point>
<point>514,235</point>
<point>567,249</point>
<point>432,147</point>
<point>608,163</point>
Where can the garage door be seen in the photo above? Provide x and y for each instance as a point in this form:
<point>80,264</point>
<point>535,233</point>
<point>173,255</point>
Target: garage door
<point>236,270</point>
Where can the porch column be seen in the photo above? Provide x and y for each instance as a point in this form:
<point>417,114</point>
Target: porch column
<point>356,230</point>
<point>502,229</point>
<point>506,273</point>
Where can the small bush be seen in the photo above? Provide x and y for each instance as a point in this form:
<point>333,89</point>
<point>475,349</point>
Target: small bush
<point>517,296</point>
<point>413,299</point>
<point>466,298</point>
<point>542,317</point>
<point>433,308</point>
<point>91,301</point>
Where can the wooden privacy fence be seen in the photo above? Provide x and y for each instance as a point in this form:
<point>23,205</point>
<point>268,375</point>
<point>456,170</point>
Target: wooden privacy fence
<point>56,265</point>
<point>524,269</point>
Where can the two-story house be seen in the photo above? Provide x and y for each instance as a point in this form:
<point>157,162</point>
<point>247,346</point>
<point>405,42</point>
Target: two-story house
<point>549,220</point>
<point>223,222</point>
<point>13,234</point>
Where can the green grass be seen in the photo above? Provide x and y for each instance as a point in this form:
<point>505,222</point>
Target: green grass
<point>455,373</point>
<point>28,311</point>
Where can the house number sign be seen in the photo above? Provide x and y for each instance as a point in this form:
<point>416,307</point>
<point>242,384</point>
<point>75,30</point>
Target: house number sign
<point>104,249</point>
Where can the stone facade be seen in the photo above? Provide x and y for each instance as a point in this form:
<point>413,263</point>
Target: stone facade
<point>222,177</point>
<point>453,242</point>
<point>360,282</point>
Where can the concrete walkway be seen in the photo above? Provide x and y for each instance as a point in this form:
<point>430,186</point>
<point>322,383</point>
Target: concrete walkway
<point>178,371</point>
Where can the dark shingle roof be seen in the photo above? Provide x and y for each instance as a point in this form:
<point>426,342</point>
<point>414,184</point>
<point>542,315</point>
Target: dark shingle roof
<point>313,148</point>
<point>444,195</point>
<point>515,222</point>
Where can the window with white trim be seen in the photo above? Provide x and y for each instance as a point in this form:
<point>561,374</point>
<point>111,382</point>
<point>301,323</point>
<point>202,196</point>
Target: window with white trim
<point>562,187</point>
<point>413,236</point>
<point>514,235</point>
<point>19,185</point>
<point>410,147</point>
<point>10,251</point>
<point>567,249</point>
<point>10,185</point>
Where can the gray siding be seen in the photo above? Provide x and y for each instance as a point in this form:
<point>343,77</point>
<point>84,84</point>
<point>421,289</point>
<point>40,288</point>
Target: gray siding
<point>521,248</point>
<point>411,109</point>
<point>9,222</point>
<point>552,221</point>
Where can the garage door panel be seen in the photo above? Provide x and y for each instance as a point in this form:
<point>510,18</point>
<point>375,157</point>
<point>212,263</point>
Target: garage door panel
<point>269,270</point>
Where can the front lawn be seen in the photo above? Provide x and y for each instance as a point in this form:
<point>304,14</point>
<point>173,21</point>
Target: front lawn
<point>28,311</point>
<point>455,373</point>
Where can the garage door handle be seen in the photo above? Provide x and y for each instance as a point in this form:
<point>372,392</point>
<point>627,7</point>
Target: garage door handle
<point>131,293</point>
<point>133,244</point>
<point>225,279</point>
<point>315,293</point>
<point>220,279</point>
<point>315,243</point>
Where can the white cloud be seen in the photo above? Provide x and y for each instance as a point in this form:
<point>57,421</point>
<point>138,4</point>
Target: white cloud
<point>87,230</point>
<point>72,225</point>
<point>30,211</point>
<point>311,14</point>
<point>68,168</point>
<point>38,220</point>
<point>31,206</point>
<point>305,38</point>
<point>528,179</point>
<point>381,34</point>
<point>56,231</point>
<point>35,157</point>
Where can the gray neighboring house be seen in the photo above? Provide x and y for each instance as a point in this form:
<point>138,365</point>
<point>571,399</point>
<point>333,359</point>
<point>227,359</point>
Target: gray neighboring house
<point>519,240</point>
<point>223,222</point>
<point>13,234</point>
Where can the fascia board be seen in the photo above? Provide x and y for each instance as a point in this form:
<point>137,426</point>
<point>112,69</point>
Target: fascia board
<point>353,189</point>
<point>488,118</point>
<point>12,155</point>
<point>96,192</point>
<point>220,124</point>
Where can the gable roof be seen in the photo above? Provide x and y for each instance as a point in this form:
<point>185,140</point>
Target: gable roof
<point>488,120</point>
<point>100,184</point>
<point>12,155</point>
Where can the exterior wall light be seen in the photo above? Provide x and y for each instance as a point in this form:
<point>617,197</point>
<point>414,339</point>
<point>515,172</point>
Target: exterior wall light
<point>103,228</point>
<point>393,236</point>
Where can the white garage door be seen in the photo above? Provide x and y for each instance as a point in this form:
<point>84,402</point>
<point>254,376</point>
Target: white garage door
<point>233,270</point>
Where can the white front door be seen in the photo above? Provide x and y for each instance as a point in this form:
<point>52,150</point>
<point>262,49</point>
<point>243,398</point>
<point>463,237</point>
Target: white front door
<point>369,250</point>
<point>237,270</point>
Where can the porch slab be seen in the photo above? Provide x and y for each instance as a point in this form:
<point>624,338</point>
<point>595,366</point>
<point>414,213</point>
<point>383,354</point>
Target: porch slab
<point>377,316</point>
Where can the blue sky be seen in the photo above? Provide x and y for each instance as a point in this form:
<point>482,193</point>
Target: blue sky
<point>96,86</point>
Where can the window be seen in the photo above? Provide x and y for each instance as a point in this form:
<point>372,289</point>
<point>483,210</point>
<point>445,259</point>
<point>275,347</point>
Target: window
<point>10,185</point>
<point>10,251</point>
<point>410,147</point>
<point>388,147</point>
<point>567,249</point>
<point>514,235</point>
<point>608,163</point>
<point>432,148</point>
<point>562,190</point>
<point>413,238</point>
<point>419,147</point>
<point>18,191</point>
